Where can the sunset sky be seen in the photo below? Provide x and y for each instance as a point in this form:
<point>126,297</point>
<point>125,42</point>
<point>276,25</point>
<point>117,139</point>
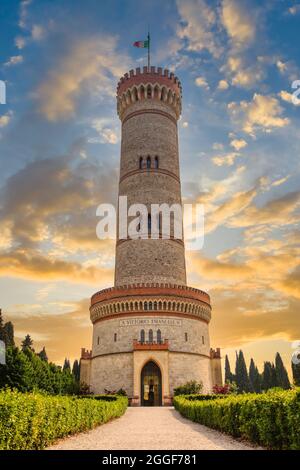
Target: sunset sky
<point>239,139</point>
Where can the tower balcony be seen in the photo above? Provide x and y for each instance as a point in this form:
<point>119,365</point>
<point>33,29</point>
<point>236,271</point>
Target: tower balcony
<point>150,345</point>
<point>150,300</point>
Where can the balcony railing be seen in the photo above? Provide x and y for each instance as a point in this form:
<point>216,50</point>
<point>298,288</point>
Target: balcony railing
<point>144,345</point>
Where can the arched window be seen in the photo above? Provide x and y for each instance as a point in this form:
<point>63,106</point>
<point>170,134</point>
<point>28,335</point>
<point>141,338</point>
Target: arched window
<point>149,222</point>
<point>141,163</point>
<point>203,341</point>
<point>149,92</point>
<point>150,336</point>
<point>148,162</point>
<point>158,336</point>
<point>115,337</point>
<point>150,305</point>
<point>156,162</point>
<point>185,336</point>
<point>98,340</point>
<point>142,336</point>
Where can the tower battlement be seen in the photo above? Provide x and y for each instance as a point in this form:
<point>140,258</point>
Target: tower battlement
<point>156,83</point>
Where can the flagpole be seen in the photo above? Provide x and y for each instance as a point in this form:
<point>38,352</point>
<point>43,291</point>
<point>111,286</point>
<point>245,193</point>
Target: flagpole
<point>148,51</point>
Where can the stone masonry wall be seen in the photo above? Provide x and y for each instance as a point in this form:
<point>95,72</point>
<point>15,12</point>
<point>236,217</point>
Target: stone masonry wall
<point>129,328</point>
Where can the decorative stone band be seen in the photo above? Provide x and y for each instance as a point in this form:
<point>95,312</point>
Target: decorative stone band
<point>154,84</point>
<point>147,236</point>
<point>149,171</point>
<point>150,299</point>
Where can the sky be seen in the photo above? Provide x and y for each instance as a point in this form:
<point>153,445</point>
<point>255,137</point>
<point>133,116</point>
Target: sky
<point>239,153</point>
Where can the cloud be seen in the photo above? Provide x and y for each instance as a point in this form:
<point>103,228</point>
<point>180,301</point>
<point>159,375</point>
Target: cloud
<point>37,32</point>
<point>262,113</point>
<point>199,19</point>
<point>279,211</point>
<point>66,333</point>
<point>223,85</point>
<point>240,25</point>
<point>31,265</point>
<point>230,209</point>
<point>295,9</point>
<point>20,42</point>
<point>5,119</point>
<point>227,159</point>
<point>217,146</point>
<point>14,60</point>
<point>241,73</point>
<point>289,97</point>
<point>201,82</point>
<point>90,62</point>
<point>238,144</point>
<point>106,133</point>
<point>51,219</point>
<point>239,318</point>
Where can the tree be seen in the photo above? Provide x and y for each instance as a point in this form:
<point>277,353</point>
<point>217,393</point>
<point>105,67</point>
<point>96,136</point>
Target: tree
<point>267,376</point>
<point>67,365</point>
<point>254,377</point>
<point>241,374</point>
<point>27,343</point>
<point>8,334</point>
<point>18,371</point>
<point>296,374</point>
<point>229,376</point>
<point>76,370</point>
<point>282,377</point>
<point>43,355</point>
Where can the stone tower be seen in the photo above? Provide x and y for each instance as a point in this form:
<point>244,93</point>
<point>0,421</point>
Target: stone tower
<point>150,331</point>
<point>149,106</point>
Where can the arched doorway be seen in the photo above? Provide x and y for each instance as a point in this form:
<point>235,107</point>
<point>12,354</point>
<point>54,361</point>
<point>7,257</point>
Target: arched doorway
<point>151,385</point>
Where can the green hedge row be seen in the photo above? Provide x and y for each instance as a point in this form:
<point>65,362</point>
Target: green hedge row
<point>269,419</point>
<point>198,397</point>
<point>33,421</point>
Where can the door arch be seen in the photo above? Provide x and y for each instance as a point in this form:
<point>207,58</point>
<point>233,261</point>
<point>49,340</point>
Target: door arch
<point>151,385</point>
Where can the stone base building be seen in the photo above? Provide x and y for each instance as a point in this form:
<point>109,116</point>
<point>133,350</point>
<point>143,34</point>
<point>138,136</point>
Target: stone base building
<point>150,331</point>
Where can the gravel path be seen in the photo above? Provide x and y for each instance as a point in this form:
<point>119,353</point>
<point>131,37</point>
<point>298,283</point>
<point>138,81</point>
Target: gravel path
<point>150,428</point>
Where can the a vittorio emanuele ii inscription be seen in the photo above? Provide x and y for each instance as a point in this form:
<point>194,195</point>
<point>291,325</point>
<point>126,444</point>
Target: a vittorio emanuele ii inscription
<point>150,321</point>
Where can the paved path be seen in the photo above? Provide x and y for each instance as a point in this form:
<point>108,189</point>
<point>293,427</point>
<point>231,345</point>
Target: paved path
<point>151,428</point>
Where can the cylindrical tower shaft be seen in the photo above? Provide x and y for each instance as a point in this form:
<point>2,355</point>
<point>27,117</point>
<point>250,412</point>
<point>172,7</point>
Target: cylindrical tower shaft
<point>149,105</point>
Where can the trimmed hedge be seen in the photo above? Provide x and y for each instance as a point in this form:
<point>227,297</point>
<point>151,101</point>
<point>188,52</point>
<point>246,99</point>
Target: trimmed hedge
<point>203,397</point>
<point>33,420</point>
<point>270,419</point>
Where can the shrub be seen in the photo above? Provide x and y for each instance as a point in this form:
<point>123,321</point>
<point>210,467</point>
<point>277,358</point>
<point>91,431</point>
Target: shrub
<point>188,388</point>
<point>222,389</point>
<point>33,421</point>
<point>269,419</point>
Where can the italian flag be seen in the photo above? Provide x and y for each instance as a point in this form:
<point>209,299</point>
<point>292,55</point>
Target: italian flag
<point>144,44</point>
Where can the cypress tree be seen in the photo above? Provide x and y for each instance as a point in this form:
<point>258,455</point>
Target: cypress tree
<point>229,376</point>
<point>282,377</point>
<point>254,377</point>
<point>67,365</point>
<point>76,370</point>
<point>27,343</point>
<point>8,334</point>
<point>267,376</point>
<point>241,374</point>
<point>43,355</point>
